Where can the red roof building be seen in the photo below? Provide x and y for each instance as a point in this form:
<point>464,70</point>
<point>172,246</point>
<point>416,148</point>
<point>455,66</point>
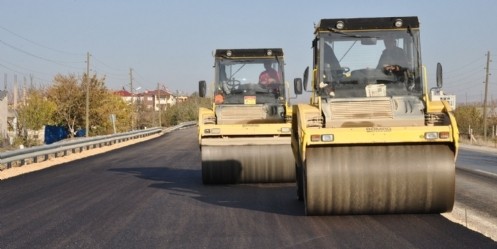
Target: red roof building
<point>150,99</point>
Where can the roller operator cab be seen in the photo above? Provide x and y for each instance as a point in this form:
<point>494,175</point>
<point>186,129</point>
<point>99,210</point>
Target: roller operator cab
<point>245,136</point>
<point>372,140</point>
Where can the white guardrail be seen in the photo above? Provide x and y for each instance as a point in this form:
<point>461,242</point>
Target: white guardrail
<point>62,148</point>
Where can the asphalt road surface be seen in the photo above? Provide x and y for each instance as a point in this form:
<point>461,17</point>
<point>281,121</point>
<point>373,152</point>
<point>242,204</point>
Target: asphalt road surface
<point>476,189</point>
<point>150,195</point>
<point>480,159</point>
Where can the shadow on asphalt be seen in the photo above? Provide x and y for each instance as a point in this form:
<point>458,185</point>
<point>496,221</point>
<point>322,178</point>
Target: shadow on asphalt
<point>417,230</point>
<point>279,198</point>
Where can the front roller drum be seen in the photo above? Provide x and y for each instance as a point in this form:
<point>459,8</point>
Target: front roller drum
<point>374,179</point>
<point>247,164</point>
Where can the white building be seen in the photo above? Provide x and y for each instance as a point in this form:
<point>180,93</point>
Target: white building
<point>3,114</point>
<point>150,99</point>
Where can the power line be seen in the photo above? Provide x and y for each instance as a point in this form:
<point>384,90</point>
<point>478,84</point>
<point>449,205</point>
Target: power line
<point>23,74</point>
<point>116,74</point>
<point>40,45</point>
<point>113,76</point>
<point>140,76</point>
<point>110,67</point>
<point>38,57</point>
<point>465,65</point>
<point>13,70</point>
<point>464,80</point>
<point>462,73</point>
<point>473,75</point>
<point>21,67</point>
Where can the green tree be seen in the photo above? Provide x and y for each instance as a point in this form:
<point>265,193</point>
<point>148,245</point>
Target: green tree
<point>36,112</point>
<point>69,98</point>
<point>468,115</point>
<point>100,115</point>
<point>185,111</point>
<point>69,94</point>
<point>146,116</point>
<point>103,103</point>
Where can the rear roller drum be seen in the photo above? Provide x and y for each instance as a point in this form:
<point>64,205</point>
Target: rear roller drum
<point>247,164</point>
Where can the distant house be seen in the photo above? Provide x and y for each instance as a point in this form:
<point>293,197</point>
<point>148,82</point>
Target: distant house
<point>180,99</point>
<point>150,99</point>
<point>125,95</point>
<point>157,99</point>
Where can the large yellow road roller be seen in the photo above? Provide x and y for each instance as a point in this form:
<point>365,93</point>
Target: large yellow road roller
<point>245,136</point>
<point>372,140</point>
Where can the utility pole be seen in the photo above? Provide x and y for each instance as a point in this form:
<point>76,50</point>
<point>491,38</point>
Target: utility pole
<point>31,78</point>
<point>87,94</point>
<point>131,80</point>
<point>132,98</point>
<point>15,92</point>
<point>24,94</point>
<point>15,105</point>
<point>485,98</point>
<point>158,94</point>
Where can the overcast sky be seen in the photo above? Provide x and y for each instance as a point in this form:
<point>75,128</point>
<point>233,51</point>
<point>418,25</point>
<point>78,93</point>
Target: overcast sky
<point>171,42</point>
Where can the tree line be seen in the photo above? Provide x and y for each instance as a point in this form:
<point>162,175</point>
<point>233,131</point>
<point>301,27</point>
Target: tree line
<point>63,103</point>
<point>470,119</point>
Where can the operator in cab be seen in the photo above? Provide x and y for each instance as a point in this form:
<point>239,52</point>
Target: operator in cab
<point>269,76</point>
<point>393,59</point>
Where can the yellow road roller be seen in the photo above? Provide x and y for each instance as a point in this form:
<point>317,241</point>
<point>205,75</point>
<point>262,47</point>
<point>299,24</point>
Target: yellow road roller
<point>373,139</point>
<point>245,136</point>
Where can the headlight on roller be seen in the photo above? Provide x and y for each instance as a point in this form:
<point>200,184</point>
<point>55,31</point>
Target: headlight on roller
<point>327,138</point>
<point>431,135</point>
<point>322,138</point>
<point>437,135</point>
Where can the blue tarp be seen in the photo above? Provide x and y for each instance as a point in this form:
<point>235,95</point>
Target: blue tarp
<point>80,133</point>
<point>55,133</point>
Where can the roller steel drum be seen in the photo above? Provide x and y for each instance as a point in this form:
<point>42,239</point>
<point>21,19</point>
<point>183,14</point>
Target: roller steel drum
<point>247,164</point>
<point>379,179</point>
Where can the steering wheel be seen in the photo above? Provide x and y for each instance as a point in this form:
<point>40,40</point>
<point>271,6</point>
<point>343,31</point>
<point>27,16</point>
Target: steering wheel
<point>233,84</point>
<point>336,73</point>
<point>392,68</point>
<point>345,69</point>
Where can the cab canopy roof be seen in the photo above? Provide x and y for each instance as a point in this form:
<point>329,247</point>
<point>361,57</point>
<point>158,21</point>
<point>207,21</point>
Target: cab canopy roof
<point>249,52</point>
<point>367,23</point>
